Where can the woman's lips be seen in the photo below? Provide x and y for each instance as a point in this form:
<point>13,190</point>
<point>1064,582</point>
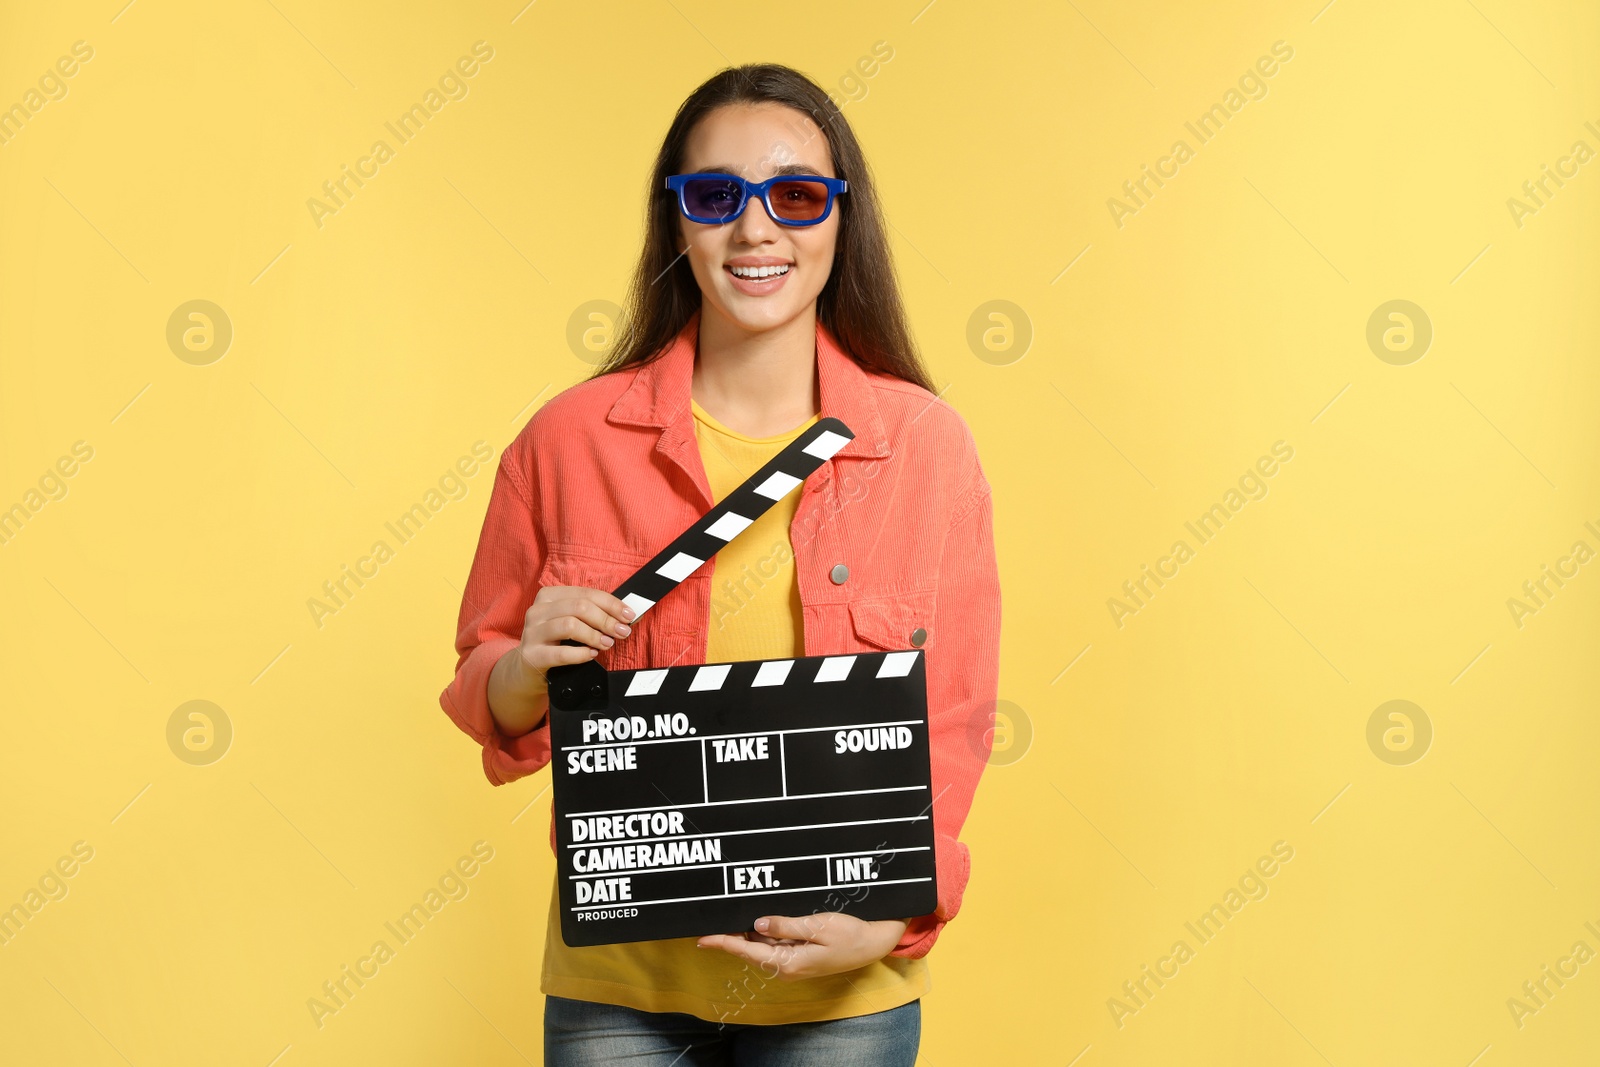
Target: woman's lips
<point>759,286</point>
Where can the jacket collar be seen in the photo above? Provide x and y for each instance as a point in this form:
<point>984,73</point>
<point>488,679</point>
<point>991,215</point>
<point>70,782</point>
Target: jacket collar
<point>659,395</point>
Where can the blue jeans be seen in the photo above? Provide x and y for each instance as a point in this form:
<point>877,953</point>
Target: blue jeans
<point>579,1033</point>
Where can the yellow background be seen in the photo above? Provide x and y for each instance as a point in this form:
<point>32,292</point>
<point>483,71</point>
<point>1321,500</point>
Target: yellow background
<point>432,312</point>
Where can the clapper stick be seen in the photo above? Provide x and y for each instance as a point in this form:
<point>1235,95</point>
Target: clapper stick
<point>583,683</point>
<point>693,799</point>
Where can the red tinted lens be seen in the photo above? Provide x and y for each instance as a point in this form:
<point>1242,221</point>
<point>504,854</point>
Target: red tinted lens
<point>711,198</point>
<point>799,200</point>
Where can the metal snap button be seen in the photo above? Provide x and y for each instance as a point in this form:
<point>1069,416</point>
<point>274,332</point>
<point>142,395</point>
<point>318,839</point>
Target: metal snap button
<point>839,573</point>
<point>918,636</point>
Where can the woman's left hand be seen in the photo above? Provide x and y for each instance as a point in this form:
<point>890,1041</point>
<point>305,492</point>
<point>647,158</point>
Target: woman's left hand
<point>810,946</point>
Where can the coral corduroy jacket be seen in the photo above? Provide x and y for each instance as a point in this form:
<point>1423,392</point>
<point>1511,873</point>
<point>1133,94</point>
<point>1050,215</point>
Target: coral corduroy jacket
<point>608,472</point>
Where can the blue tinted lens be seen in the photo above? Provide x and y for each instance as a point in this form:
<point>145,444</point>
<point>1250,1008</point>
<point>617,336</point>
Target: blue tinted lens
<point>711,198</point>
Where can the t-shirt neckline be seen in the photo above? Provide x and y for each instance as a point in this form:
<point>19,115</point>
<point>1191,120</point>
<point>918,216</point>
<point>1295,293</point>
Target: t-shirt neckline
<point>705,416</point>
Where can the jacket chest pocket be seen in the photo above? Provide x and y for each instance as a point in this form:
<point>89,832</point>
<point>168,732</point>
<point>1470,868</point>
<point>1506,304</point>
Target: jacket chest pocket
<point>894,623</point>
<point>657,635</point>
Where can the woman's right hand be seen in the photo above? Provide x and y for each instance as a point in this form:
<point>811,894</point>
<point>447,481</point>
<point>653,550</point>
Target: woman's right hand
<point>559,613</point>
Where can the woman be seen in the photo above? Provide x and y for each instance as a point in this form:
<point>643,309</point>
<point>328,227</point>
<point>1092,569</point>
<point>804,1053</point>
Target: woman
<point>754,311</point>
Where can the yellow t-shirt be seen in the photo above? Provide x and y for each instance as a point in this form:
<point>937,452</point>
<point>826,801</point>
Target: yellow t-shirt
<point>755,614</point>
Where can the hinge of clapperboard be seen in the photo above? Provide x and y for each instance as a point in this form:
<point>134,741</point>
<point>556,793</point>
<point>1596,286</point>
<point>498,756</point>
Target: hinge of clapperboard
<point>582,686</point>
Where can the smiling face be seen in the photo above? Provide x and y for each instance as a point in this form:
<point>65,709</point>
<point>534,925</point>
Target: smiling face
<point>757,141</point>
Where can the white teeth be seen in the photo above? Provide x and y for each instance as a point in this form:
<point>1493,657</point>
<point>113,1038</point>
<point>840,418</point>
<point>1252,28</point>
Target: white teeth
<point>759,272</point>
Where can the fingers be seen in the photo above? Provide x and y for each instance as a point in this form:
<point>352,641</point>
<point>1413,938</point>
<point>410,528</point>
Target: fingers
<point>576,627</point>
<point>579,617</point>
<point>733,945</point>
<point>751,935</point>
<point>612,606</point>
<point>786,962</point>
<point>603,611</point>
<point>799,927</point>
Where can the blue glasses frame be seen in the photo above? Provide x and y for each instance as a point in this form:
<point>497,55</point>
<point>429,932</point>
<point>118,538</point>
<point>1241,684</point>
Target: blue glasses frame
<point>678,183</point>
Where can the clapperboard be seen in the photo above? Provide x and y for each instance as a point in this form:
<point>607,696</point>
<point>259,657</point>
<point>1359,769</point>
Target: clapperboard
<point>694,799</point>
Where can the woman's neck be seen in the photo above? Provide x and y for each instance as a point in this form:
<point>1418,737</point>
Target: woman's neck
<point>760,384</point>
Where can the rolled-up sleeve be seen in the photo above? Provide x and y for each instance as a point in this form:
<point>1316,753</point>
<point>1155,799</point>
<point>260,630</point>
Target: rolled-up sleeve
<point>500,588</point>
<point>963,682</point>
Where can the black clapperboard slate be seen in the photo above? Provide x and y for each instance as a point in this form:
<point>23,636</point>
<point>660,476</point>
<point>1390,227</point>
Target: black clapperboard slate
<point>692,800</point>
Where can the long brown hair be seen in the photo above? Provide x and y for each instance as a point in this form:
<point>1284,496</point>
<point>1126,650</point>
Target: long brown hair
<point>860,304</point>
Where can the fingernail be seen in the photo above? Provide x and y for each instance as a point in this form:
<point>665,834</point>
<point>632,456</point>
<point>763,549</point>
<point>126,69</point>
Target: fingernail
<point>627,613</point>
<point>624,629</point>
<point>609,642</point>
<point>762,924</point>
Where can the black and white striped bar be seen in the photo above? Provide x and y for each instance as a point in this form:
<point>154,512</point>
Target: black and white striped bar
<point>704,796</point>
<point>733,514</point>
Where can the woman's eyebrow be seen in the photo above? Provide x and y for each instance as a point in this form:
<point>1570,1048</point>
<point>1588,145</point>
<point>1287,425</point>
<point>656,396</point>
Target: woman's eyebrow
<point>787,168</point>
